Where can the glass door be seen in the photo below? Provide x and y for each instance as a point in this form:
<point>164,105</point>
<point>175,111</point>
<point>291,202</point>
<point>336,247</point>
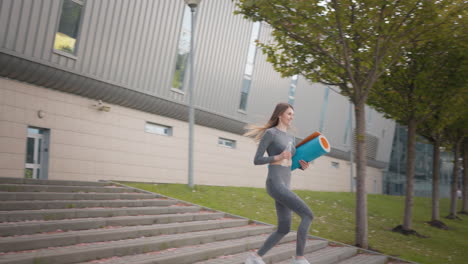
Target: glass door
<point>37,148</point>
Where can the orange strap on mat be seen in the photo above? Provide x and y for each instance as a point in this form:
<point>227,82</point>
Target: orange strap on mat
<point>309,138</point>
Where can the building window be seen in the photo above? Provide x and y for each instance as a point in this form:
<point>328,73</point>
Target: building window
<point>369,118</point>
<point>227,142</point>
<point>335,164</point>
<point>68,30</point>
<point>249,66</point>
<point>323,113</point>
<point>183,50</point>
<point>158,129</point>
<point>292,89</point>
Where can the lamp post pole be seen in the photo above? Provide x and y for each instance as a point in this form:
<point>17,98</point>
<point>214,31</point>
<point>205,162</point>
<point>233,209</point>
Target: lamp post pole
<point>193,6</point>
<point>351,147</point>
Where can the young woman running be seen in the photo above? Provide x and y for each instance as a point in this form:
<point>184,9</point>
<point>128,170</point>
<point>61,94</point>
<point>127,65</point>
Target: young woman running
<point>274,139</point>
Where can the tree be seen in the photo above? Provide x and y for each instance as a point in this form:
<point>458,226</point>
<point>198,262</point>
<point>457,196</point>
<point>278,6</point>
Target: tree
<point>456,132</point>
<point>465,177</point>
<point>423,88</point>
<point>348,44</point>
<point>434,130</point>
<point>452,54</point>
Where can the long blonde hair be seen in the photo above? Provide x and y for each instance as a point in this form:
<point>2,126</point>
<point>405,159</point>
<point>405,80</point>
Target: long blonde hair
<point>256,132</point>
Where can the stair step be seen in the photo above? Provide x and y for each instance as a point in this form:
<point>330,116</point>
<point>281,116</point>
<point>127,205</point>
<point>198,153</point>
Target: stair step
<point>194,253</point>
<point>86,252</point>
<point>57,188</point>
<point>33,227</point>
<point>57,214</point>
<point>365,259</point>
<point>278,253</point>
<point>6,180</point>
<point>37,241</point>
<point>55,221</point>
<point>67,204</point>
<point>328,255</point>
<point>46,196</point>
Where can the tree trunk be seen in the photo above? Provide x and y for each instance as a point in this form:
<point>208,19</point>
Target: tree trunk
<point>361,162</point>
<point>465,177</point>
<point>411,155</point>
<point>454,188</point>
<point>435,181</point>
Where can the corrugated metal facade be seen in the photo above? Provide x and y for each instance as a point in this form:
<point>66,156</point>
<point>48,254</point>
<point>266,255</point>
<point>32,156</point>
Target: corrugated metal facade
<point>132,45</point>
<point>268,87</point>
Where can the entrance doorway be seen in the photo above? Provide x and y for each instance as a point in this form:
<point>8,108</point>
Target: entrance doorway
<point>37,153</point>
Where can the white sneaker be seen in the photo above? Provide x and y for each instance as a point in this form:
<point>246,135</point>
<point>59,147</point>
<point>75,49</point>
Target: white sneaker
<point>300,261</point>
<point>254,259</point>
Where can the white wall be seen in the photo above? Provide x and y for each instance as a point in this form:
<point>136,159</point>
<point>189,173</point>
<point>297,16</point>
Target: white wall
<point>87,144</point>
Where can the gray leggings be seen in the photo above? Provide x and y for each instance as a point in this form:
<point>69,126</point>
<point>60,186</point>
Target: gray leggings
<point>277,186</point>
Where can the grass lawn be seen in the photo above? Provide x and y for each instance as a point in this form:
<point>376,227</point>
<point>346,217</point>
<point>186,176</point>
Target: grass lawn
<point>334,218</point>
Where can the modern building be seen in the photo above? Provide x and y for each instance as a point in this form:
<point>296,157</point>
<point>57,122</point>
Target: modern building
<point>395,176</point>
<point>97,90</point>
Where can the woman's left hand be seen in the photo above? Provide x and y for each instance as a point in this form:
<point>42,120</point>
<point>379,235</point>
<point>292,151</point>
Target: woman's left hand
<point>304,164</point>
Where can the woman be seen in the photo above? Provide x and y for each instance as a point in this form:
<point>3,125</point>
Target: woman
<point>274,139</point>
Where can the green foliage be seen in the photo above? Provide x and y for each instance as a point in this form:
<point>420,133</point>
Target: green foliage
<point>177,80</point>
<point>334,218</point>
<point>179,75</point>
<point>349,44</point>
<point>64,42</point>
<point>429,85</point>
<point>430,80</point>
<point>344,43</point>
<point>28,173</point>
<point>52,216</point>
<point>39,260</point>
<point>458,129</point>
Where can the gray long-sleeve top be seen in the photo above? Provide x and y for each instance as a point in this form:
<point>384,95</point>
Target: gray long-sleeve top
<point>274,141</point>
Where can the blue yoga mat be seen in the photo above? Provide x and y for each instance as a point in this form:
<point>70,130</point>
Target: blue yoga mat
<point>311,150</point>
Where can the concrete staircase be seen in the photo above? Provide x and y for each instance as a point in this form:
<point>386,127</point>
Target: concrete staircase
<point>49,222</point>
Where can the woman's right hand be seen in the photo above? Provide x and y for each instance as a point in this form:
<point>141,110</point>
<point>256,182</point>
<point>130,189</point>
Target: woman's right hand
<point>284,155</point>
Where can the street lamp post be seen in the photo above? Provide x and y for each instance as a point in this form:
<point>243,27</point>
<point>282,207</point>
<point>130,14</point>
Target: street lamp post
<point>351,147</point>
<point>193,6</point>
